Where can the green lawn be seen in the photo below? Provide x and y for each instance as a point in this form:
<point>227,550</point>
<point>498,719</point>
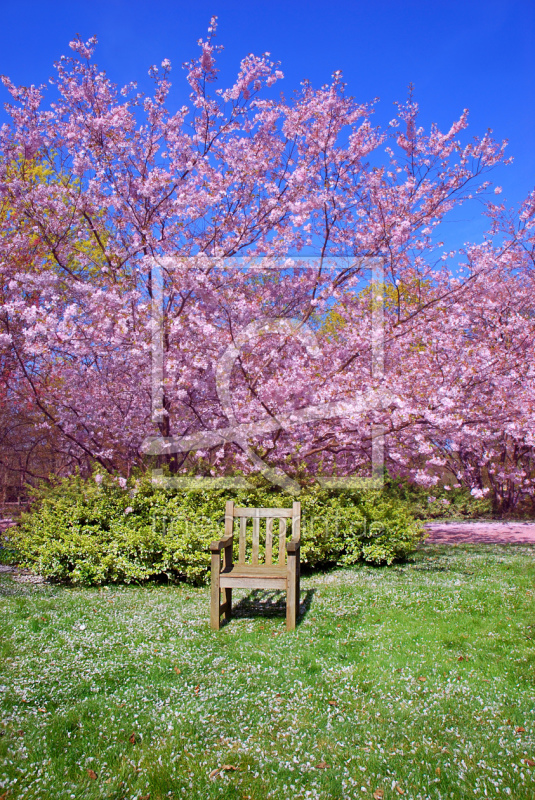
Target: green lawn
<point>414,681</point>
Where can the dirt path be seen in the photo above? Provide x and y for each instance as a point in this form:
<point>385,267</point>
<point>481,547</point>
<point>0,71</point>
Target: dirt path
<point>480,532</point>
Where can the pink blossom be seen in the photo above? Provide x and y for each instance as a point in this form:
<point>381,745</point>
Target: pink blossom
<point>238,173</point>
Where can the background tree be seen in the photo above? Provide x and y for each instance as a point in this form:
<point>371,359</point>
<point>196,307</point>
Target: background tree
<point>105,183</point>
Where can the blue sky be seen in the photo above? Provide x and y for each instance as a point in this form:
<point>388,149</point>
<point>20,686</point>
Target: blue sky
<point>473,54</point>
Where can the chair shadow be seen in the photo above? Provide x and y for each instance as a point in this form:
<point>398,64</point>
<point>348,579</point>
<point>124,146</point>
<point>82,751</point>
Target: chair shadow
<point>269,603</point>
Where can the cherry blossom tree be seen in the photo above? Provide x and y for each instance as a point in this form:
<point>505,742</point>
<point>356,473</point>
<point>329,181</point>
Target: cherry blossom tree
<point>103,185</point>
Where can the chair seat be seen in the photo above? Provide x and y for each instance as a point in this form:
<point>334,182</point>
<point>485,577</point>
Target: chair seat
<point>249,576</point>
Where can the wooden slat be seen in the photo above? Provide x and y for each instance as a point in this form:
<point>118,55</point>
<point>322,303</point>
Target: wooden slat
<point>243,539</point>
<point>256,582</point>
<point>263,512</point>
<point>256,539</point>
<point>282,541</point>
<point>229,518</point>
<point>269,540</point>
<point>248,570</point>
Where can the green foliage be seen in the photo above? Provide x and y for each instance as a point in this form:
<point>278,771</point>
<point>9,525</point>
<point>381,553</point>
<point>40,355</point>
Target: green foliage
<point>8,555</point>
<point>88,533</point>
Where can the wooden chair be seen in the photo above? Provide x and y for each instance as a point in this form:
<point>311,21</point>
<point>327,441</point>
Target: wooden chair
<point>282,575</point>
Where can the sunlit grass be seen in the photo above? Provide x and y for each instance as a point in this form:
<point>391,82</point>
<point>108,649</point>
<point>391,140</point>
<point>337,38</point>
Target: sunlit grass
<point>416,680</point>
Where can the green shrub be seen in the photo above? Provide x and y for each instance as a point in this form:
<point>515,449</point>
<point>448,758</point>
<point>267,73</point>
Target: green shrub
<point>8,555</point>
<point>92,533</point>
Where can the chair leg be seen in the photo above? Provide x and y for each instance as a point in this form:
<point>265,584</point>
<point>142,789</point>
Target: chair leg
<point>298,591</point>
<point>228,604</point>
<point>291,609</point>
<point>215,593</point>
<point>214,610</point>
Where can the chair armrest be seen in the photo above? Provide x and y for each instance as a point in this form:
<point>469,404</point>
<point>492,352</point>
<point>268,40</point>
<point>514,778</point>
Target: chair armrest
<point>216,547</point>
<point>293,546</point>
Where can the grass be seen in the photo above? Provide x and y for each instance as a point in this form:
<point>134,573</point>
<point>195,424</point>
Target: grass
<point>416,681</point>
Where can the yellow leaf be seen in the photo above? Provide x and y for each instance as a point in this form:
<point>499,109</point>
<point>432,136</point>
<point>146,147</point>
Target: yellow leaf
<point>92,774</point>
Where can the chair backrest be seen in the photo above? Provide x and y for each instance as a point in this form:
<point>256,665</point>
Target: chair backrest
<point>233,512</point>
